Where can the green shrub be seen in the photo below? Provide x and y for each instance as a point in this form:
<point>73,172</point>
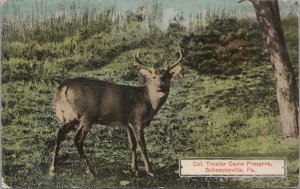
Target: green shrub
<point>59,69</point>
<point>19,69</point>
<point>223,46</point>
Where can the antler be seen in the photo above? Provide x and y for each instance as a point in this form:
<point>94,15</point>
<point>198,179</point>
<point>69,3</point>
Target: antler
<point>177,62</point>
<point>136,58</point>
<point>139,63</point>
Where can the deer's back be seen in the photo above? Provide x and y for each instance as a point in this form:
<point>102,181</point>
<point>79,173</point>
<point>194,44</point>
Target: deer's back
<point>100,101</point>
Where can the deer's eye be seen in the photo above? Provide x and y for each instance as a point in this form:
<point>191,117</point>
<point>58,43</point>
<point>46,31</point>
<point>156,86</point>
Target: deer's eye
<point>153,77</point>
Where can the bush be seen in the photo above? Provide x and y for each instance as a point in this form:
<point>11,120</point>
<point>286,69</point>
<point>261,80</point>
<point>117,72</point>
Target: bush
<point>223,47</point>
<point>59,69</point>
<point>19,69</point>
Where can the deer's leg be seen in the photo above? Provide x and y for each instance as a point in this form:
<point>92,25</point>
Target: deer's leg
<point>132,146</point>
<point>62,132</point>
<point>139,136</point>
<point>80,135</point>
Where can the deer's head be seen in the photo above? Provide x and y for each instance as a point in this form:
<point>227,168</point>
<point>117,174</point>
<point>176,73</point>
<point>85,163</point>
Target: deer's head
<point>158,80</point>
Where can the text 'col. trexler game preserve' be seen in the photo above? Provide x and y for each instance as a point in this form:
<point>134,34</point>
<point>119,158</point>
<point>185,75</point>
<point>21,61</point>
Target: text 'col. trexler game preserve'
<point>232,168</point>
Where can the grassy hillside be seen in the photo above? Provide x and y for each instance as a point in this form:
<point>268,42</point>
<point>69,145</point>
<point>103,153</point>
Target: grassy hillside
<point>223,106</point>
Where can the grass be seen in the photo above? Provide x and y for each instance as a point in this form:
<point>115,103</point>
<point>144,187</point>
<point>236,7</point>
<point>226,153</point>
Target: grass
<point>226,120</point>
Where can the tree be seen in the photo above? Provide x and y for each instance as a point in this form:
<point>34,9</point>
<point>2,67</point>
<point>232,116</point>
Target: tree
<point>268,17</point>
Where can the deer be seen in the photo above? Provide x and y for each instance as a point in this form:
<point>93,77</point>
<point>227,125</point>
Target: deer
<point>81,102</point>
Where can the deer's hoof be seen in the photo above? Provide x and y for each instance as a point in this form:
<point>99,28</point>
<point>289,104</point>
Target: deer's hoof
<point>52,173</point>
<point>150,173</point>
<point>135,172</point>
<point>90,174</point>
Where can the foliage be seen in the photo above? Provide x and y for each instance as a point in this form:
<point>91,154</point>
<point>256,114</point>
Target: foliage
<point>225,46</point>
<point>290,25</point>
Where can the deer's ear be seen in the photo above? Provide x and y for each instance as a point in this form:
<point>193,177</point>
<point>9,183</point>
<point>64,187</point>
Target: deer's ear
<point>144,72</point>
<point>175,71</point>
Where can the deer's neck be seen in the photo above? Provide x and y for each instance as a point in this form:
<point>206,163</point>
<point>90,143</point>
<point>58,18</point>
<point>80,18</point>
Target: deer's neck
<point>157,99</point>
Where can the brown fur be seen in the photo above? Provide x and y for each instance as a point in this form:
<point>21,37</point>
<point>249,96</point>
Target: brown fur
<point>80,103</point>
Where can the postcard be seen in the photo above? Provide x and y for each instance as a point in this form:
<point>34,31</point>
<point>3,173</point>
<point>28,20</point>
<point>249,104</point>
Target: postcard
<point>149,93</point>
